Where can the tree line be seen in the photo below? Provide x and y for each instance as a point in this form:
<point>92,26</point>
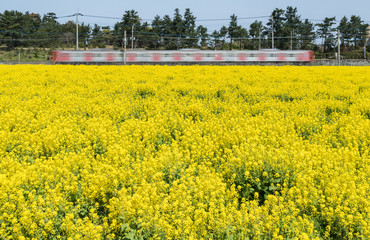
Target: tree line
<point>180,31</point>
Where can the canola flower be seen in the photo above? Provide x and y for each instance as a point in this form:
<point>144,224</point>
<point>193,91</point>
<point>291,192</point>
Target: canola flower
<point>199,152</point>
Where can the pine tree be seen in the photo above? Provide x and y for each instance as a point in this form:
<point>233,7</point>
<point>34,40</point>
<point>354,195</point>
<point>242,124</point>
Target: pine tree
<point>307,35</point>
<point>157,31</point>
<point>233,29</point>
<point>130,23</point>
<point>189,29</point>
<point>292,24</point>
<point>255,30</point>
<point>343,27</point>
<point>178,29</point>
<point>49,28</point>
<point>203,36</point>
<point>277,20</point>
<point>355,24</point>
<point>325,31</point>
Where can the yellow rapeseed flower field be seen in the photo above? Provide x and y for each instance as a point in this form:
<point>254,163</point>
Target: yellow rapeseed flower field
<point>185,152</point>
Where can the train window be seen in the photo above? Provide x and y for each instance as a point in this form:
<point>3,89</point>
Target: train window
<point>208,55</point>
<point>291,55</point>
<point>167,55</point>
<point>253,55</point>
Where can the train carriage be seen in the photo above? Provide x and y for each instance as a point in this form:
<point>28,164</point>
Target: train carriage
<point>183,56</point>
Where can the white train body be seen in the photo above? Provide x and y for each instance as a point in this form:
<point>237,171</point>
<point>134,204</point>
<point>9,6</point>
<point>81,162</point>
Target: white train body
<point>182,56</point>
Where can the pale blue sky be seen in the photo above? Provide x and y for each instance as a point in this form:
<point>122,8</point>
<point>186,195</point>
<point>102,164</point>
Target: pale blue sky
<point>202,9</point>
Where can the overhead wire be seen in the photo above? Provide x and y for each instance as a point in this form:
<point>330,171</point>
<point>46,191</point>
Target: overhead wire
<point>93,16</point>
<point>174,37</point>
<point>199,20</point>
<point>166,35</point>
<point>196,20</point>
<point>65,16</point>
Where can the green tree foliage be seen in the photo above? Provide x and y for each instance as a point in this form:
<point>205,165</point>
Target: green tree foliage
<point>107,35</point>
<point>215,42</point>
<point>243,37</point>
<point>30,23</point>
<point>49,30</point>
<point>190,40</point>
<point>365,34</point>
<point>97,37</point>
<point>168,32</point>
<point>353,32</point>
<point>325,32</point>
<point>178,30</point>
<point>223,33</point>
<point>18,30</point>
<point>344,29</point>
<point>69,34</point>
<point>277,24</point>
<point>131,23</point>
<point>203,36</point>
<point>292,27</point>
<point>306,35</point>
<point>219,38</point>
<point>156,32</point>
<point>290,31</point>
<point>233,29</point>
<point>16,27</point>
<point>174,33</point>
<point>177,23</point>
<point>256,32</point>
<point>355,25</point>
<point>236,33</point>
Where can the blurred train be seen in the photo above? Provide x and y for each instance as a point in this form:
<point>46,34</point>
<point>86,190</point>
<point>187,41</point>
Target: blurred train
<point>183,57</point>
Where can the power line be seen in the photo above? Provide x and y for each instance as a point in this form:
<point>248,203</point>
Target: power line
<point>168,35</point>
<point>66,16</point>
<point>27,39</point>
<point>93,16</point>
<point>84,34</point>
<point>173,37</point>
<point>228,19</point>
<point>31,33</point>
<point>200,20</point>
<point>197,20</point>
<point>337,21</point>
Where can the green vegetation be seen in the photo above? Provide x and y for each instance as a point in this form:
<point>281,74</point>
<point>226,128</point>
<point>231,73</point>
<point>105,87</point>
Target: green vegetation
<point>24,55</point>
<point>31,31</point>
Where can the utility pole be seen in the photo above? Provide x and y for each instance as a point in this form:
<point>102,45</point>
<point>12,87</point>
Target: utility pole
<point>366,40</point>
<point>259,38</point>
<point>272,32</point>
<point>338,47</point>
<point>132,37</point>
<point>291,40</point>
<point>124,47</point>
<point>77,14</point>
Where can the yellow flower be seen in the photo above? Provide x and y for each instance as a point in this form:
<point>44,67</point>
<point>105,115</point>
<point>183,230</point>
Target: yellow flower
<point>178,152</point>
